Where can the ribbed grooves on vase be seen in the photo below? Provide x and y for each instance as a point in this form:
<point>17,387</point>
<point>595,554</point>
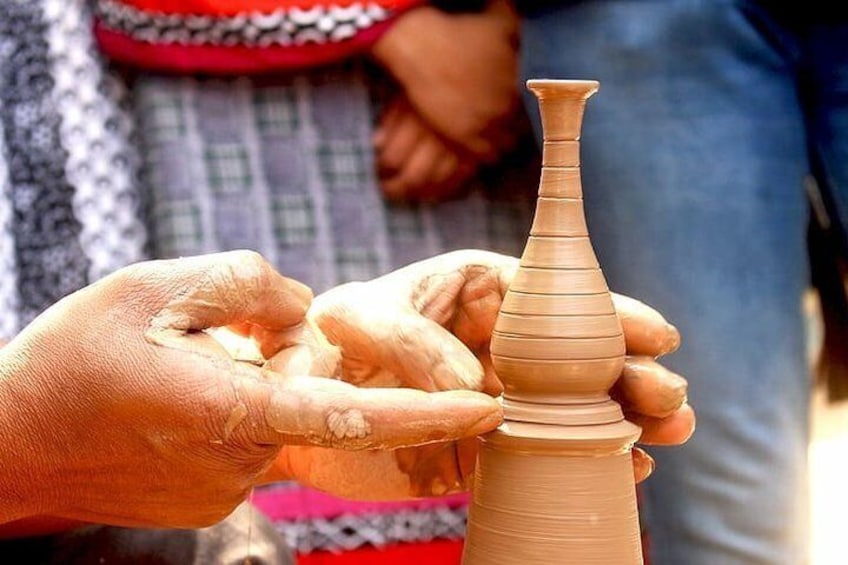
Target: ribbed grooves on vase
<point>557,315</point>
<point>554,483</point>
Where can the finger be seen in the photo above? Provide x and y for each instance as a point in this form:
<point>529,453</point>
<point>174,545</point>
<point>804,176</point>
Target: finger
<point>399,144</point>
<point>454,185</point>
<point>645,330</point>
<point>388,121</point>
<point>491,384</point>
<point>433,470</point>
<point>415,176</point>
<point>463,291</point>
<point>643,464</point>
<point>461,261</point>
<point>357,475</point>
<point>237,345</point>
<point>466,456</point>
<point>311,354</point>
<point>650,389</point>
<point>671,430</point>
<point>446,165</point>
<point>330,413</point>
<point>241,328</point>
<point>417,350</point>
<point>229,288</point>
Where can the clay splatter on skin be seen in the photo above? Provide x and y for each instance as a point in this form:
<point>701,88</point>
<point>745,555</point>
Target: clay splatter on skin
<point>236,417</point>
<point>350,423</point>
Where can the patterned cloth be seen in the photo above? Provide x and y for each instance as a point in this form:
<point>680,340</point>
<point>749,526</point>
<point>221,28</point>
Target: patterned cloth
<point>68,200</point>
<point>285,166</point>
<point>243,36</point>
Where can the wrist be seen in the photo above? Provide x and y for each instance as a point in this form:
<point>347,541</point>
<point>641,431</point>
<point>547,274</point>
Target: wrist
<point>21,457</point>
<point>395,50</point>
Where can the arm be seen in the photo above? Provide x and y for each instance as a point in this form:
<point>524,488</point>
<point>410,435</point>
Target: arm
<point>459,72</point>
<point>119,408</point>
<point>241,37</point>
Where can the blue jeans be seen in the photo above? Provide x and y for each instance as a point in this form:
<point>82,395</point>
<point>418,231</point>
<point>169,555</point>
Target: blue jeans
<point>709,116</point>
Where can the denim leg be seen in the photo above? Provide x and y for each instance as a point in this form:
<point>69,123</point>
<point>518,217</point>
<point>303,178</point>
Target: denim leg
<point>694,154</point>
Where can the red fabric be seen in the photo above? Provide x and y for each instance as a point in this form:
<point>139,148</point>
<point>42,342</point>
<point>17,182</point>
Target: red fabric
<point>237,59</point>
<point>233,7</point>
<point>287,503</point>
<point>439,552</point>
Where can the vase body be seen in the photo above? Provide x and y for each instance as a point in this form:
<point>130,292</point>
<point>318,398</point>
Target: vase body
<point>554,483</point>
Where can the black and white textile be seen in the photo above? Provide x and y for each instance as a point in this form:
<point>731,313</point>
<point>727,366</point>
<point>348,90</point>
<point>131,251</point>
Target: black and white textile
<point>68,191</point>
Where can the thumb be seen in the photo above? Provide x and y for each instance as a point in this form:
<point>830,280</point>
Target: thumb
<point>328,413</point>
<point>420,352</point>
<point>229,288</point>
<point>224,289</point>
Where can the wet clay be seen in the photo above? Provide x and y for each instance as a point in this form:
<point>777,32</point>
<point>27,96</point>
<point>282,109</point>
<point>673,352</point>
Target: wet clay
<point>554,483</point>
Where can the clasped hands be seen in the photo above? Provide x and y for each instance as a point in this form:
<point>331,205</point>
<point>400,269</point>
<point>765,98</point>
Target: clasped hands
<point>126,410</point>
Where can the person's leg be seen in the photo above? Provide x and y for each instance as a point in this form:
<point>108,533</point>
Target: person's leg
<point>693,159</point>
<point>245,536</point>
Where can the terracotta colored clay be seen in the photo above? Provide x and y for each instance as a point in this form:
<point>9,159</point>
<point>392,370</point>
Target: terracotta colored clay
<point>558,347</point>
<point>586,412</point>
<point>563,304</point>
<point>561,154</point>
<point>559,253</point>
<point>554,483</point>
<point>554,326</point>
<point>559,217</point>
<point>559,281</point>
<point>560,182</point>
<point>535,379</point>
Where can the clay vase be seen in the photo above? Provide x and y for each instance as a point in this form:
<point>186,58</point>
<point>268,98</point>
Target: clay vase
<point>554,483</point>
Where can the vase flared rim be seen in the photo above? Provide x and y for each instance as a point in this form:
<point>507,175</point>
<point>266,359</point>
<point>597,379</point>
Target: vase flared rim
<point>566,88</point>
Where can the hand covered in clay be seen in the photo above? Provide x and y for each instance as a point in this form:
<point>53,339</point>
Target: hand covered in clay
<point>119,408</point>
<point>428,326</point>
<point>459,71</point>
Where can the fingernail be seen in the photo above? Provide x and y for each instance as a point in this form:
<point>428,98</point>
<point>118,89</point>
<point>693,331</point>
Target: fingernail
<point>643,465</point>
<point>648,468</point>
<point>672,340</point>
<point>490,420</point>
<point>677,390</point>
<point>486,424</point>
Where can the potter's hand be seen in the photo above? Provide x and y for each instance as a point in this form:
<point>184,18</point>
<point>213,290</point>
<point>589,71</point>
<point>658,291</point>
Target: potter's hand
<point>428,326</point>
<point>116,407</point>
<point>652,396</point>
<point>413,162</point>
<point>459,72</point>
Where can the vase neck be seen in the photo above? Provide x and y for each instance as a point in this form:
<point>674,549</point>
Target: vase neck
<point>561,105</point>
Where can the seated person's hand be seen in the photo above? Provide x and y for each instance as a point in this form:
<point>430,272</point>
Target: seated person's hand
<point>414,164</point>
<point>116,406</point>
<point>459,72</point>
<point>428,326</point>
